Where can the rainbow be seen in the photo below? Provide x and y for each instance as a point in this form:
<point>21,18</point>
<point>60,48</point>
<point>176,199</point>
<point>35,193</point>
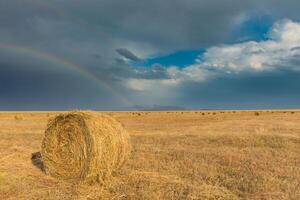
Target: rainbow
<point>46,57</point>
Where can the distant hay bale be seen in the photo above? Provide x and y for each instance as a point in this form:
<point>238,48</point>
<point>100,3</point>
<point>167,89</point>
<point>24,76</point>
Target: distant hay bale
<point>18,117</point>
<point>84,146</point>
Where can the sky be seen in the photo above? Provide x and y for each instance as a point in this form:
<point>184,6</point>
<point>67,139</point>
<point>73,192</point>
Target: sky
<point>139,54</point>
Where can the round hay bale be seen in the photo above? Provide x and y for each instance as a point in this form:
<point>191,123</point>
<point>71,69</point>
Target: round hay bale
<point>84,146</point>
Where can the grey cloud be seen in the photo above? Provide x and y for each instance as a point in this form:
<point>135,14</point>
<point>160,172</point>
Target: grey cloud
<point>26,89</point>
<point>158,68</point>
<point>175,24</point>
<point>78,31</point>
<point>247,91</point>
<point>128,54</point>
<point>295,49</point>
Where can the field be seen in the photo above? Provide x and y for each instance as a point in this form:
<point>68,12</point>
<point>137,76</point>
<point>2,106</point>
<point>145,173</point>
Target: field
<point>176,155</point>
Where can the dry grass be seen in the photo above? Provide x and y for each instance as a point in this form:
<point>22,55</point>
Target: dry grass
<point>230,155</point>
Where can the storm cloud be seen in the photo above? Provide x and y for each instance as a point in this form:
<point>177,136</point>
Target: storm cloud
<point>128,54</point>
<point>101,38</point>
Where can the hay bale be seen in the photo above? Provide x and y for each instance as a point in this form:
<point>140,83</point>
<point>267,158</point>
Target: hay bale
<point>84,146</point>
<point>18,117</point>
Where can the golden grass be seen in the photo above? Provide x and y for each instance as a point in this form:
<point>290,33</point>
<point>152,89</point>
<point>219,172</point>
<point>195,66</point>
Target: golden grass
<point>175,155</point>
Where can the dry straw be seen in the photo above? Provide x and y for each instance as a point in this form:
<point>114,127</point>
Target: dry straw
<point>84,146</point>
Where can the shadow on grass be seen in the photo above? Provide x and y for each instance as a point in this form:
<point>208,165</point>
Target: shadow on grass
<point>36,159</point>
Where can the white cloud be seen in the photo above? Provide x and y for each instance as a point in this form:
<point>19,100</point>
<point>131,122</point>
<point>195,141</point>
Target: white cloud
<point>150,84</point>
<point>192,72</point>
<point>280,50</point>
<point>176,76</point>
<point>271,54</point>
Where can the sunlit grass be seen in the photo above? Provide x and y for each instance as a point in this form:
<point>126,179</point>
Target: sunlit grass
<point>176,155</point>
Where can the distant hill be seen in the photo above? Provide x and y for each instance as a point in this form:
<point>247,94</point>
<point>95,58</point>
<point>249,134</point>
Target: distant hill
<point>158,108</point>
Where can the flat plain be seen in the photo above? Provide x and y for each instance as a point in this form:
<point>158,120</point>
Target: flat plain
<point>175,155</point>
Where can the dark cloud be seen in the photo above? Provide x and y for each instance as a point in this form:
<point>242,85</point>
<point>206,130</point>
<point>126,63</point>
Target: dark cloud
<point>246,91</point>
<point>175,24</point>
<point>128,54</point>
<point>39,86</point>
<point>87,34</point>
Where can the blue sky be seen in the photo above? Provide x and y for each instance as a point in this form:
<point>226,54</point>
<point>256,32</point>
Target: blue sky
<point>254,28</point>
<point>122,55</point>
<point>181,58</point>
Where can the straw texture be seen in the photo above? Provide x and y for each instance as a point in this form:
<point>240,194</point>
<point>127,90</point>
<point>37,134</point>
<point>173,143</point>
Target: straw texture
<point>84,146</point>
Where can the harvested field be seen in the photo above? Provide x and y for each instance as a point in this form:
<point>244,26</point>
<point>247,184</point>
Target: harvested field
<point>175,155</point>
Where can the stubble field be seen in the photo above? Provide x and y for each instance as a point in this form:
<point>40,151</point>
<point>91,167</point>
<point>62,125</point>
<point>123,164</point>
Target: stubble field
<point>175,155</point>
